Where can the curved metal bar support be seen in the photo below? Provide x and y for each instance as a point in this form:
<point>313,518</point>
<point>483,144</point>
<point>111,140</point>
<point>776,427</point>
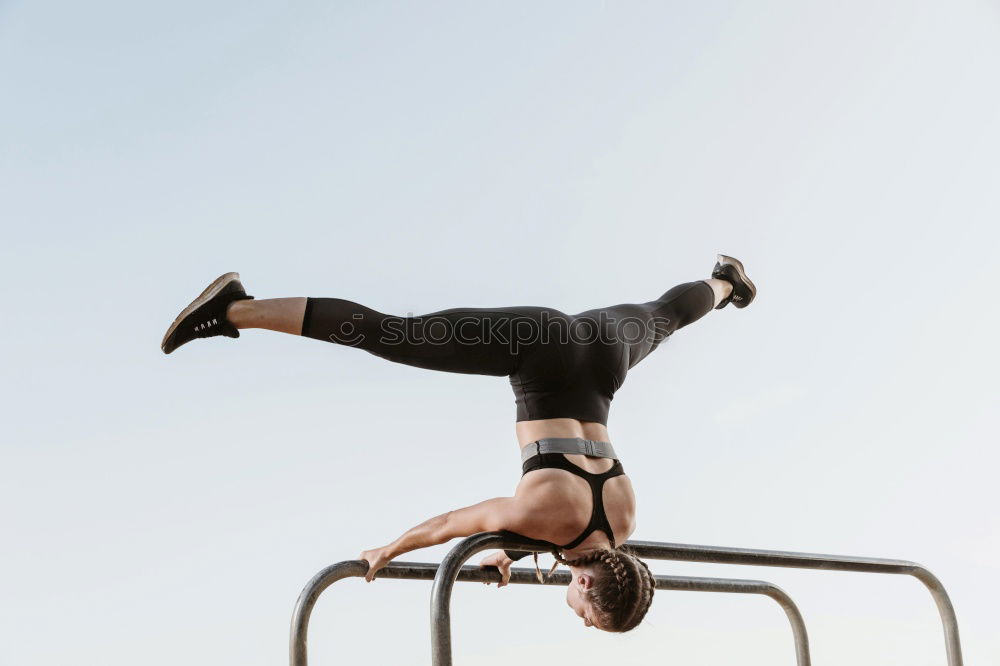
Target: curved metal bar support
<point>444,582</point>
<point>451,569</point>
<point>949,620</point>
<point>777,558</point>
<point>307,599</point>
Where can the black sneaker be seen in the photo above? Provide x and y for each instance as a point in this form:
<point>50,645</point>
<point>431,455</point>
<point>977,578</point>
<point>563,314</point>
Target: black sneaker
<point>731,270</point>
<point>206,316</point>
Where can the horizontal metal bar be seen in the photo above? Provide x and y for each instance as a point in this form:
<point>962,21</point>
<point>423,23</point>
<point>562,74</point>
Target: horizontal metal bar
<point>471,573</point>
<point>767,558</point>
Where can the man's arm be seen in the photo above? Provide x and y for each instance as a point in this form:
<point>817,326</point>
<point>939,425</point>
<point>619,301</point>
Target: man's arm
<point>500,513</point>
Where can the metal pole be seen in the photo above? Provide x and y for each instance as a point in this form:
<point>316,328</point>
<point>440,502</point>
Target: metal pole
<point>451,569</point>
<point>444,581</point>
<point>306,601</point>
<point>740,586</point>
<point>776,558</point>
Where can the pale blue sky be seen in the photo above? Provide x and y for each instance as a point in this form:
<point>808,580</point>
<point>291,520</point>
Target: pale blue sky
<point>419,156</point>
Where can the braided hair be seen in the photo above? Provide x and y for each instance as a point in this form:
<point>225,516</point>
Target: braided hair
<point>623,592</point>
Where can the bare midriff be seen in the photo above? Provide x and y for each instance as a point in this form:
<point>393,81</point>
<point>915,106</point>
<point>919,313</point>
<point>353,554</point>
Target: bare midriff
<point>532,431</point>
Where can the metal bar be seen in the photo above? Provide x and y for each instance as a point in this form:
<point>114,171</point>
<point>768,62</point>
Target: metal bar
<point>307,600</point>
<point>776,558</point>
<point>521,576</point>
<point>441,629</point>
<point>451,569</point>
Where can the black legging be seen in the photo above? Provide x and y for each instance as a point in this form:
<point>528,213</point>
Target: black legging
<point>559,365</point>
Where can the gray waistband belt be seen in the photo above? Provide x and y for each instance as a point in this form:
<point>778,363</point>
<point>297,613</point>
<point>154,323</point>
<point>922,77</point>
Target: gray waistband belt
<point>587,447</point>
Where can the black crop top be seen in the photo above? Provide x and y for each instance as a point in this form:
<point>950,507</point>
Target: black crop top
<point>598,517</point>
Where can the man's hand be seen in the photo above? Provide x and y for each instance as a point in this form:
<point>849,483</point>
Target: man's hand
<point>499,560</point>
<point>377,559</point>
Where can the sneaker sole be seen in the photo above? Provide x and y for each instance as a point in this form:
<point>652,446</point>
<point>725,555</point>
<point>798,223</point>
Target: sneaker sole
<point>210,292</point>
<point>738,265</point>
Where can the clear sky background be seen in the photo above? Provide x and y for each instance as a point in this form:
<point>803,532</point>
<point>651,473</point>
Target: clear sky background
<point>419,156</point>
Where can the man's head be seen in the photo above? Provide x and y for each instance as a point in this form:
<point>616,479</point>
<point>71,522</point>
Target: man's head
<point>610,590</point>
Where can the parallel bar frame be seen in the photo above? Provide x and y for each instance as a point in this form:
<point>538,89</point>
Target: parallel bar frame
<point>776,558</point>
<point>519,576</point>
<point>441,625</point>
